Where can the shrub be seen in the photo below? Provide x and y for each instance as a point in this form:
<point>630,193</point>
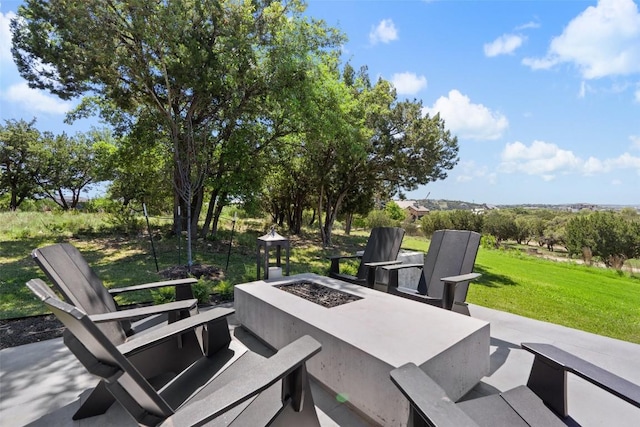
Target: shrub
<point>163,295</point>
<point>411,228</point>
<point>380,218</point>
<point>224,289</point>
<point>202,290</point>
<point>488,241</point>
<point>434,221</point>
<point>123,219</point>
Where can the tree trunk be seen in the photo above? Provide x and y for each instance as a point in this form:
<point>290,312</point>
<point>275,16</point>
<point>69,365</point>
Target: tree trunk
<point>196,208</point>
<point>217,212</point>
<point>323,235</point>
<point>347,223</point>
<point>207,221</point>
<point>331,216</point>
<point>313,218</point>
<point>13,205</point>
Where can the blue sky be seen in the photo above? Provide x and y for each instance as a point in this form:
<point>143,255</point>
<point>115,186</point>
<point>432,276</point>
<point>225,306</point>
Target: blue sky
<point>544,96</point>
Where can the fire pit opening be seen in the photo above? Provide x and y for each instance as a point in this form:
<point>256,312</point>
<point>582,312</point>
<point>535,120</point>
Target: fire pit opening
<point>319,294</point>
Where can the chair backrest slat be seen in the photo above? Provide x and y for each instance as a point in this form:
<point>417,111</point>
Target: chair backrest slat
<point>79,284</point>
<point>383,245</point>
<point>451,253</point>
<point>128,385</point>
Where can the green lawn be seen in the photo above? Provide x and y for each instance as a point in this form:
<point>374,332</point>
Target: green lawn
<point>596,300</point>
<point>601,301</point>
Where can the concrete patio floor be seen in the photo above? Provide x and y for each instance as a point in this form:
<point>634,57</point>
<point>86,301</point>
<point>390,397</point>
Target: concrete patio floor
<point>40,383</point>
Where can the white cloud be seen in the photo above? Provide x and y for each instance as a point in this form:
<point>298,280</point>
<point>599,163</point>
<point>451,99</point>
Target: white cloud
<point>635,142</point>
<point>583,89</point>
<point>470,171</point>
<point>593,166</point>
<point>527,26</point>
<point>5,37</point>
<point>35,100</point>
<point>637,96</point>
<point>506,44</point>
<point>604,40</point>
<point>547,160</point>
<point>540,158</point>
<point>385,32</point>
<point>468,120</point>
<point>624,161</point>
<point>408,83</point>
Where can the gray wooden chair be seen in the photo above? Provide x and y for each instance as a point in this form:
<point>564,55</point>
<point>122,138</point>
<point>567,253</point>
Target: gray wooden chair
<point>80,286</point>
<point>168,356</point>
<point>446,272</point>
<point>251,391</point>
<point>542,402</point>
<point>382,248</point>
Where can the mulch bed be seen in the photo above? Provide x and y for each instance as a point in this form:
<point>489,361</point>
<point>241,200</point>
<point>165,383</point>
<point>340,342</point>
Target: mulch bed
<point>26,330</point>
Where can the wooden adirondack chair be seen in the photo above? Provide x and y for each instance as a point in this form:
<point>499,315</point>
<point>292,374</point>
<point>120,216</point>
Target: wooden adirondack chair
<point>542,402</point>
<point>382,248</point>
<point>80,286</point>
<point>251,391</point>
<point>446,272</point>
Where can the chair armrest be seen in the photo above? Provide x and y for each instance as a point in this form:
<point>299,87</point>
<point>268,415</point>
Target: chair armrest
<point>428,401</point>
<point>393,274</point>
<point>372,268</point>
<point>382,263</point>
<point>461,278</point>
<point>290,360</point>
<point>335,262</point>
<point>549,355</point>
<point>153,285</point>
<point>151,338</point>
<point>401,266</point>
<point>338,257</point>
<point>151,310</point>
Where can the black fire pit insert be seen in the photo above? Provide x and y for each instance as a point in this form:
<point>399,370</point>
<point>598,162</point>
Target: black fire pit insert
<point>319,294</point>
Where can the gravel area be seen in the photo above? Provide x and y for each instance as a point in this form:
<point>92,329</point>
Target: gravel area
<point>322,295</point>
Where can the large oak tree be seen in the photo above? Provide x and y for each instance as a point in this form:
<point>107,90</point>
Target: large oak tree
<point>205,69</point>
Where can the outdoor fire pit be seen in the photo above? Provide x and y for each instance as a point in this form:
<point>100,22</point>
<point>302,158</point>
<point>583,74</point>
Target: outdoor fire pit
<point>366,338</point>
<point>322,295</point>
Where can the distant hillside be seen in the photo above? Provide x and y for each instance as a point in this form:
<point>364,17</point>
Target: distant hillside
<point>447,205</point>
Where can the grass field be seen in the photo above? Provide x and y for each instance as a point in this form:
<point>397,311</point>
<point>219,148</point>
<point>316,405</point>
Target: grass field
<point>601,301</point>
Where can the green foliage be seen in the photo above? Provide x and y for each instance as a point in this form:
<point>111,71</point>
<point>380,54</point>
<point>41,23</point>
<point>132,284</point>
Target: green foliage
<point>124,220</point>
<point>610,236</point>
<point>202,290</point>
<point>380,218</point>
<point>163,295</point>
<point>435,220</point>
<point>224,288</point>
<point>394,211</point>
<point>410,227</point>
<point>488,241</point>
<point>525,229</point>
<point>68,165</point>
<point>465,220</point>
<point>500,225</point>
<point>18,141</point>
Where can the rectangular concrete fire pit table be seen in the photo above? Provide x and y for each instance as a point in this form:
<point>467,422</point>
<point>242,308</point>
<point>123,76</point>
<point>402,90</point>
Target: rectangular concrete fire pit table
<point>363,340</point>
